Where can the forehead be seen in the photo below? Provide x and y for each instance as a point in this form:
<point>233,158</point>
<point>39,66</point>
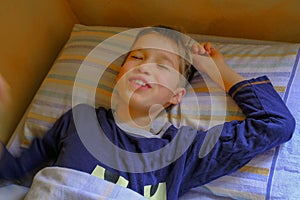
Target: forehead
<point>155,40</point>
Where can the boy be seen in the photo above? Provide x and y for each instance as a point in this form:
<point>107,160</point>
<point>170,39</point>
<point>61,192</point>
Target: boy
<point>149,82</point>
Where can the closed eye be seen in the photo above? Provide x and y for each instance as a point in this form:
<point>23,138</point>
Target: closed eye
<point>163,66</point>
<point>136,57</point>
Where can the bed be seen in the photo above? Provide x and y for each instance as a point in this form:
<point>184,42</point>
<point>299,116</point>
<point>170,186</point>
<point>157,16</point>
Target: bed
<point>272,175</point>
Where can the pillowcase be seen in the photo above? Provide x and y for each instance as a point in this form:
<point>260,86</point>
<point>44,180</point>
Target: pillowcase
<point>55,94</point>
<point>249,58</point>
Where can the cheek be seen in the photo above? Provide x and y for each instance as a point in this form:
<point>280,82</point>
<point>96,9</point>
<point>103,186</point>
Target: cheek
<point>122,71</point>
<point>119,76</point>
<point>170,80</point>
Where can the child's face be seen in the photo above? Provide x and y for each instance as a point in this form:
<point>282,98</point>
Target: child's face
<point>150,74</point>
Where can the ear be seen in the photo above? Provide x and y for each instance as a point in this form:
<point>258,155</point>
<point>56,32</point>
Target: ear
<point>178,95</point>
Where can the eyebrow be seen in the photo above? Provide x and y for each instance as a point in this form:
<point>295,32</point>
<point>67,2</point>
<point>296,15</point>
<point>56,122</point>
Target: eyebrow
<point>162,54</point>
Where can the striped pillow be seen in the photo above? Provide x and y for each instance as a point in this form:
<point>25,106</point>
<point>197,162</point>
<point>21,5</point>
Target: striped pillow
<point>55,94</point>
<point>249,58</point>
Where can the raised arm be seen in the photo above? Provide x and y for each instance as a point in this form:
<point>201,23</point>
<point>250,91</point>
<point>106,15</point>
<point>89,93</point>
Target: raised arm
<point>227,147</point>
<point>41,151</point>
<point>210,61</point>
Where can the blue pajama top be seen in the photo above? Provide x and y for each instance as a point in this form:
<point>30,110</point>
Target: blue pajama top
<point>165,167</point>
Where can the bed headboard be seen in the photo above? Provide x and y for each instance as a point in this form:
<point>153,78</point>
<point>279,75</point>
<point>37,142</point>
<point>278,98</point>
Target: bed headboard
<point>263,20</point>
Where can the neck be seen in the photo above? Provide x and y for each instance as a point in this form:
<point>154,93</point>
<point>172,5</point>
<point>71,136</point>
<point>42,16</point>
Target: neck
<point>137,118</point>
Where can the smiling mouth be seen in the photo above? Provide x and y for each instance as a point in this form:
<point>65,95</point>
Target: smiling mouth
<point>139,83</point>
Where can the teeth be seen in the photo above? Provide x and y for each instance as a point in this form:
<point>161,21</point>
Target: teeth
<point>139,82</point>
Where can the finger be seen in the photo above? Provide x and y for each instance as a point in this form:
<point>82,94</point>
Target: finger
<point>208,47</point>
<point>198,49</point>
<point>202,50</point>
<point>195,48</point>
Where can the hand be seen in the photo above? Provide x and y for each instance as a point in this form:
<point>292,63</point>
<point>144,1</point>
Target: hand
<point>4,92</point>
<point>206,57</point>
<point>209,60</point>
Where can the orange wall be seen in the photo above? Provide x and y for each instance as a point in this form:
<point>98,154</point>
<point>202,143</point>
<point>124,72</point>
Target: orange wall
<point>31,36</point>
<point>266,20</point>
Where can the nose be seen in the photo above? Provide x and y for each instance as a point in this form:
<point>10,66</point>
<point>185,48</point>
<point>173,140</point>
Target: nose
<point>145,68</point>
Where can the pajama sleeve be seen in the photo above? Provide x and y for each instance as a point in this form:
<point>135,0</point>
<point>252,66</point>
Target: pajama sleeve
<point>226,148</point>
<point>40,151</point>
